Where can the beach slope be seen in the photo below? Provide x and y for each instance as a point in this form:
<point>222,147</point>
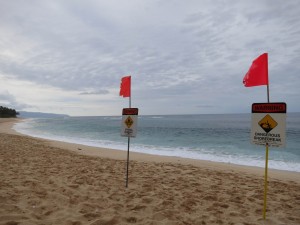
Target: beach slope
<point>44,184</point>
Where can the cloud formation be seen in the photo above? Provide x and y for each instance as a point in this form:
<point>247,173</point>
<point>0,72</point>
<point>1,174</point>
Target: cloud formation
<point>181,55</point>
<point>8,100</point>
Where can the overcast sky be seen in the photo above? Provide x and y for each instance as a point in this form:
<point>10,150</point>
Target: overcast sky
<point>185,57</point>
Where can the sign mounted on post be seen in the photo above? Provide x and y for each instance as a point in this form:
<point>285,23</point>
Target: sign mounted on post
<point>268,124</point>
<point>129,122</point>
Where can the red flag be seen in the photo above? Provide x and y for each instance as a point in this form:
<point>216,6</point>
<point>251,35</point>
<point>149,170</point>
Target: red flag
<point>258,72</point>
<point>125,86</point>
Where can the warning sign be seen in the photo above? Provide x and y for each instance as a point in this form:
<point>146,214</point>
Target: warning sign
<point>268,124</point>
<point>129,122</point>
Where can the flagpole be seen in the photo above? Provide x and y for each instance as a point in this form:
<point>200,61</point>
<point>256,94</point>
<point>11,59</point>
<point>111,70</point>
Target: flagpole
<point>128,146</point>
<point>125,91</point>
<point>266,167</point>
<point>127,162</point>
<point>268,93</point>
<point>266,182</point>
<point>258,74</point>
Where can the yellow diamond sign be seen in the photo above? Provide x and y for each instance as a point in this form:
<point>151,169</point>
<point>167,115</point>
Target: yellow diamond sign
<point>128,122</point>
<point>267,123</point>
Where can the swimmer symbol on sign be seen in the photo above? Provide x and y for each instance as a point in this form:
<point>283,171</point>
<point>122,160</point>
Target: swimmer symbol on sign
<point>128,122</point>
<point>267,123</point>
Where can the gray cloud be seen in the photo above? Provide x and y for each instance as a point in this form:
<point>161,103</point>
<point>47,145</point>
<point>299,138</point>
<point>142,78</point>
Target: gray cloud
<point>170,48</point>
<point>100,92</point>
<point>8,100</point>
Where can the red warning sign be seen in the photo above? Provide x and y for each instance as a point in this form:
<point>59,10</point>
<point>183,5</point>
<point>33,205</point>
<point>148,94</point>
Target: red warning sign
<point>277,107</point>
<point>130,111</point>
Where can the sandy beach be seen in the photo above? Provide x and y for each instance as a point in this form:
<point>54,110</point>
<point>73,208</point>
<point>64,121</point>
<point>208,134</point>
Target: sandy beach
<point>46,182</point>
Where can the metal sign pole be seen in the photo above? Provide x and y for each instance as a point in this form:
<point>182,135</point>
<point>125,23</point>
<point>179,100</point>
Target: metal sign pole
<point>268,93</point>
<point>266,182</point>
<point>127,162</point>
<point>128,147</point>
<point>266,168</point>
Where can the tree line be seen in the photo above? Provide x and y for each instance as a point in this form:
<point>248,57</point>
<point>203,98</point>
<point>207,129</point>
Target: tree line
<point>7,112</point>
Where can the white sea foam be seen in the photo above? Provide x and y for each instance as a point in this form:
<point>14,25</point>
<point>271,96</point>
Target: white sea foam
<point>204,154</point>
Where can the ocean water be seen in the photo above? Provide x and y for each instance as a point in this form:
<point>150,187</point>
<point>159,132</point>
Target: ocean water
<point>220,138</point>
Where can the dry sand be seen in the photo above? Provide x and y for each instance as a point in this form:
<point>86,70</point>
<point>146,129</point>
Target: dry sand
<point>43,182</point>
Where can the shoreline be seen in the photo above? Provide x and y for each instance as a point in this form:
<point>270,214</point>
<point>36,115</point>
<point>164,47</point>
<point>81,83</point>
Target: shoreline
<point>143,157</point>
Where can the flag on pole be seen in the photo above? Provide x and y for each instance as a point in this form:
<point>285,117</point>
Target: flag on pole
<point>258,72</point>
<point>125,87</point>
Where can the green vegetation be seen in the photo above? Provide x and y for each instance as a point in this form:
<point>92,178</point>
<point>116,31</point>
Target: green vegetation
<point>7,112</point>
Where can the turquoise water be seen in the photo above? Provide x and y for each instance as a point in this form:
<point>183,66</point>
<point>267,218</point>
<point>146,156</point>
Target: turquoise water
<point>220,138</point>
